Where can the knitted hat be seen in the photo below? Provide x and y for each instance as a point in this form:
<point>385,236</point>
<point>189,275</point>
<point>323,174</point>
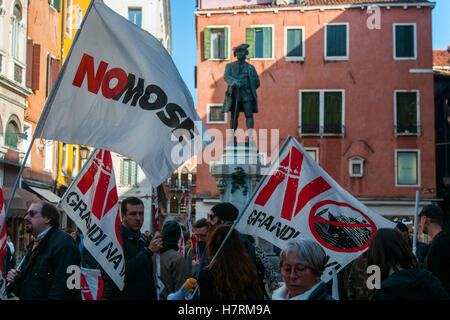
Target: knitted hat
<point>171,233</point>
<point>225,211</point>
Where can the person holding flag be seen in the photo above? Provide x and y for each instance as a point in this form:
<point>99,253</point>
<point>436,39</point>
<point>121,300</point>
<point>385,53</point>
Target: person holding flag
<point>138,283</point>
<point>43,275</point>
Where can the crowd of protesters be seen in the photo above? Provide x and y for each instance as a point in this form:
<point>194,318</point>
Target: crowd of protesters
<point>223,264</point>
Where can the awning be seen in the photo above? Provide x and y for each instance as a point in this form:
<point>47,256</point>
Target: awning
<point>46,194</point>
<point>21,202</point>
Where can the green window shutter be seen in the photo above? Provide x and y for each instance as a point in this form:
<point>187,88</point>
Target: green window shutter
<point>337,41</point>
<point>225,43</point>
<point>407,168</point>
<point>250,39</point>
<point>207,43</point>
<point>404,41</point>
<point>125,172</point>
<point>333,112</point>
<point>57,4</point>
<point>310,112</point>
<point>133,172</point>
<point>294,43</point>
<point>406,112</point>
<point>267,42</point>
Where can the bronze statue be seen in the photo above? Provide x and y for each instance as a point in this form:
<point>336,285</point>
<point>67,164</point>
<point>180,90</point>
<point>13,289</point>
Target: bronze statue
<point>242,82</point>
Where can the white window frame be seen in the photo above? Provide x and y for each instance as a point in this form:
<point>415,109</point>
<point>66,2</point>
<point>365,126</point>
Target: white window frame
<point>394,53</point>
<point>333,58</point>
<point>3,63</point>
<point>418,133</point>
<point>227,54</point>
<point>69,18</point>
<point>356,160</point>
<point>254,26</point>
<point>76,164</point>
<point>418,168</point>
<point>321,112</point>
<point>296,58</point>
<point>316,150</point>
<point>208,108</point>
<point>78,16</point>
<point>48,156</point>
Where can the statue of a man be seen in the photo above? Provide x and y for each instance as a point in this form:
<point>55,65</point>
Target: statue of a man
<point>242,82</point>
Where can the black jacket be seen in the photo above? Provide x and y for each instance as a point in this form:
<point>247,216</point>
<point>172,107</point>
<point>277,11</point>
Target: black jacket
<point>410,284</point>
<point>139,284</point>
<point>44,270</point>
<point>437,259</point>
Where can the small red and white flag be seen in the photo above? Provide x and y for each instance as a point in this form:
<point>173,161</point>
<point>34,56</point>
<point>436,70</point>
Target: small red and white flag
<point>298,199</point>
<point>93,204</point>
<point>3,241</point>
<point>91,284</point>
<point>159,284</point>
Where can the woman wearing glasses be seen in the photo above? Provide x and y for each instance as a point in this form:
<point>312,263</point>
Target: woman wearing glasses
<point>302,263</point>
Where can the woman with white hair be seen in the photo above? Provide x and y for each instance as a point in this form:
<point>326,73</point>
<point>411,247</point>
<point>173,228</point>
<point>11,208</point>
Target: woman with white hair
<point>302,263</point>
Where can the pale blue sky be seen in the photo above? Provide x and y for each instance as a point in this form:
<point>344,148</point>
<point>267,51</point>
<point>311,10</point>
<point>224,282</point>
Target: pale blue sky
<point>184,42</point>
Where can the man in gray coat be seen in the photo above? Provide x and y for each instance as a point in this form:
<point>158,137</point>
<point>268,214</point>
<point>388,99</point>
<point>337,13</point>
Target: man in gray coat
<point>242,81</point>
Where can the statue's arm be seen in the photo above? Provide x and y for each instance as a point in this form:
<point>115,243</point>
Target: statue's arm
<point>257,83</point>
<point>232,81</point>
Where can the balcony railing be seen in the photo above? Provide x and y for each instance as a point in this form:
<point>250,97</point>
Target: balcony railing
<point>316,130</point>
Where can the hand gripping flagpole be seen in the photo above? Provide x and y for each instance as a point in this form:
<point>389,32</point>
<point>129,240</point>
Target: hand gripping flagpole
<point>43,117</point>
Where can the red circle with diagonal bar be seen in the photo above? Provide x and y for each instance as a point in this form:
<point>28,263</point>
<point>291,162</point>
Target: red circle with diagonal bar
<point>341,233</point>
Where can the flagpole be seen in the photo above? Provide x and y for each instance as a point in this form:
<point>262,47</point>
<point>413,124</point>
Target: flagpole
<point>43,117</point>
<point>245,208</point>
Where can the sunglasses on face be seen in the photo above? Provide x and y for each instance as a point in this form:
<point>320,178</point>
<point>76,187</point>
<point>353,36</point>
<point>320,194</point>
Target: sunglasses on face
<point>211,216</point>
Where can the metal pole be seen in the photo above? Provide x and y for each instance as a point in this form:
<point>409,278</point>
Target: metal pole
<point>416,216</point>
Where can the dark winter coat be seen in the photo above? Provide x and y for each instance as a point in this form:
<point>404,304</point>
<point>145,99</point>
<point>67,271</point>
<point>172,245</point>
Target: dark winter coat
<point>437,259</point>
<point>139,284</point>
<point>44,270</point>
<point>410,284</point>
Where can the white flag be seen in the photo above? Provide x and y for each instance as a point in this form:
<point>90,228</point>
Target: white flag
<point>93,204</point>
<point>119,90</point>
<point>91,284</point>
<point>298,199</point>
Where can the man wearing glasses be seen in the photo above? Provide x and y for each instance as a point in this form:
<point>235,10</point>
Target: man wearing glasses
<point>43,275</point>
<point>200,233</point>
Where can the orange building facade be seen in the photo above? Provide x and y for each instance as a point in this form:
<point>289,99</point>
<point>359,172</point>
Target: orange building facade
<point>353,84</point>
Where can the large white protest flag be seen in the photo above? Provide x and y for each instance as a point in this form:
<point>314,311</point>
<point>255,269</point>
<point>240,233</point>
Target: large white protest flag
<point>298,199</point>
<point>119,90</point>
<point>93,204</point>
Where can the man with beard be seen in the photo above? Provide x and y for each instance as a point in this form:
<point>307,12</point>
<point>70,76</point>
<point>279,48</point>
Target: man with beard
<point>43,275</point>
<point>200,233</point>
<point>138,252</point>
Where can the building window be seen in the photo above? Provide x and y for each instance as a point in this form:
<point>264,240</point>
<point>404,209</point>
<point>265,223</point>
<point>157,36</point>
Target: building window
<point>356,167</point>
<point>135,16</point>
<point>69,18</point>
<point>2,67</point>
<point>18,73</point>
<point>129,172</point>
<point>260,40</point>
<point>75,161</point>
<point>407,166</point>
<point>406,107</point>
<point>405,44</point>
<point>336,41</point>
<point>48,156</point>
<point>56,4</point>
<point>64,160</point>
<point>314,153</point>
<point>294,43</point>
<point>173,204</point>
<point>12,135</point>
<point>215,114</point>
<point>78,16</point>
<point>322,112</point>
<point>53,66</point>
<point>216,42</point>
<point>28,135</point>
<point>15,34</point>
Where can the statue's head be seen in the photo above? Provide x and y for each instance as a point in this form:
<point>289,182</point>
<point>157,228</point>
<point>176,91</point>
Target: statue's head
<point>241,51</point>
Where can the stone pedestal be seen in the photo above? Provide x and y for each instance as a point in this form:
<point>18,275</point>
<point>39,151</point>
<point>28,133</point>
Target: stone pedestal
<point>237,178</point>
